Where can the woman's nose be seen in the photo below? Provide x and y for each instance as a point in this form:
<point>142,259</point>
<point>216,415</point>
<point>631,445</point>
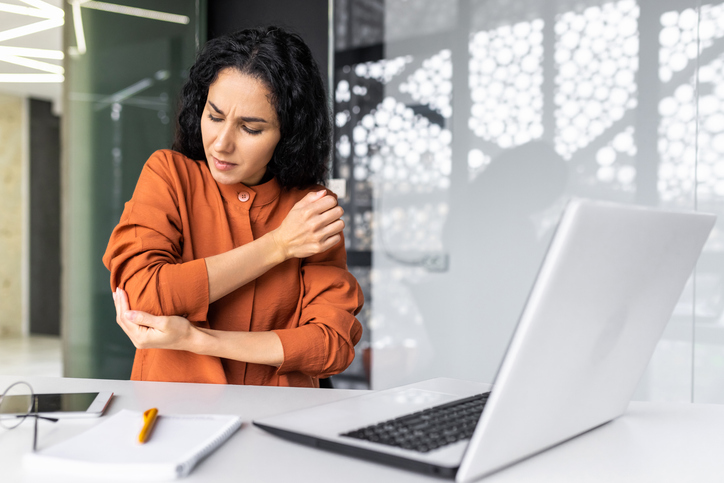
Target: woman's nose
<point>224,140</point>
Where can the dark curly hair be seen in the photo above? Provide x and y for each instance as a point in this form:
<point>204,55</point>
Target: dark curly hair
<point>284,64</point>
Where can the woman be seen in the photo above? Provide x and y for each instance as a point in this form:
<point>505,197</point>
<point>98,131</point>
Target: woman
<point>230,253</point>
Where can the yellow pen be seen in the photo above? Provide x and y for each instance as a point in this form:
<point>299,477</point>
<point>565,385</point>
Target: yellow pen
<point>149,418</point>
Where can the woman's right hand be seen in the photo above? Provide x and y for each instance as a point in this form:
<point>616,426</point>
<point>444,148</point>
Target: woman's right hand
<point>312,226</point>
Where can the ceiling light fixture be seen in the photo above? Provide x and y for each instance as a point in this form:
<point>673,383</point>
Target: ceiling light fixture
<point>120,9</point>
<point>31,28</point>
<point>33,64</point>
<point>51,10</point>
<point>30,12</point>
<point>53,18</point>
<point>78,26</point>
<point>31,52</point>
<point>137,12</point>
<point>34,78</point>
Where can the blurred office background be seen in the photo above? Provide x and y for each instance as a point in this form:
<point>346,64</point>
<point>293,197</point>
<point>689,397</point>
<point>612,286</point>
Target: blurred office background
<point>462,127</point>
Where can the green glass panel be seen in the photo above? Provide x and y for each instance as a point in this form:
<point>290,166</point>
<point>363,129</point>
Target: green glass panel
<point>119,107</point>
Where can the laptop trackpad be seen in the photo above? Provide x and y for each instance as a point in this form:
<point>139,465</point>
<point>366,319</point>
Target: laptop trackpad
<point>414,397</point>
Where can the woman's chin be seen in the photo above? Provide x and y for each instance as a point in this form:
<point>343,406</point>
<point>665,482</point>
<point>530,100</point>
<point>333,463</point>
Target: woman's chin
<point>225,178</point>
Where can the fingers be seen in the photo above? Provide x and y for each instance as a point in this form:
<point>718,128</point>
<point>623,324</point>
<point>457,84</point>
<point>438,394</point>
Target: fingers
<point>334,213</point>
<point>325,204</point>
<point>321,221</point>
<point>123,311</point>
<point>317,202</point>
<point>330,242</point>
<point>320,214</point>
<point>143,319</point>
<point>331,229</point>
<point>312,197</point>
<point>323,227</point>
<point>329,236</point>
<point>148,331</point>
<point>307,228</point>
<point>134,323</point>
<point>120,300</point>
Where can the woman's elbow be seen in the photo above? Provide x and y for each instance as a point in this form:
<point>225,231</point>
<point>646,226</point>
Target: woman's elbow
<point>142,297</point>
<point>343,356</point>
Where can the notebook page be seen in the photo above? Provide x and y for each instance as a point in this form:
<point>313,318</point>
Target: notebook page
<point>111,449</point>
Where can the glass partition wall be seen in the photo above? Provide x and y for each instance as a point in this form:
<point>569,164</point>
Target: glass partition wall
<point>463,126</point>
<point>125,64</point>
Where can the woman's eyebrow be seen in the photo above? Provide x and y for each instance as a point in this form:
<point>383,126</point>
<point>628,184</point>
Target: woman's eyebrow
<point>243,118</point>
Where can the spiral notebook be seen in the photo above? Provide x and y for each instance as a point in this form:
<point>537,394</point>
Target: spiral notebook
<point>110,450</point>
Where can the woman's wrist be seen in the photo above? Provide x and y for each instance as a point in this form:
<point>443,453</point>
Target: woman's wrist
<point>199,341</point>
<point>254,347</point>
<point>280,251</point>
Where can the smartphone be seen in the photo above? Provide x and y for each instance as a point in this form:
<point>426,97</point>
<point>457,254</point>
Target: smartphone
<point>63,405</point>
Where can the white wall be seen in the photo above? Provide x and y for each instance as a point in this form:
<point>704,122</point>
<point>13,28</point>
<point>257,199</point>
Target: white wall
<point>13,162</point>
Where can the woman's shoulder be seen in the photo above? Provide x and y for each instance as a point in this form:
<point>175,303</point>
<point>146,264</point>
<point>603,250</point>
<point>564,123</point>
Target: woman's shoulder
<point>299,193</point>
<point>170,159</point>
<point>176,166</point>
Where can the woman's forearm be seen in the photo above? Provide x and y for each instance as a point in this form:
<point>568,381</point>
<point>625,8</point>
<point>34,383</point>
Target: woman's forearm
<point>252,347</point>
<point>235,268</point>
<point>312,226</point>
<point>148,331</point>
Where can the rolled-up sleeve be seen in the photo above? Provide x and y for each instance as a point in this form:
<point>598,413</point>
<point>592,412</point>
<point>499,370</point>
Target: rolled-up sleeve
<point>144,253</point>
<point>323,344</point>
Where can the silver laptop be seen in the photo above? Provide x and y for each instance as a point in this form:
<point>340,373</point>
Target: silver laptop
<point>604,293</point>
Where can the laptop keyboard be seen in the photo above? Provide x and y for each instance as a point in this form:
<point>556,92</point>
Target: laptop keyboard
<point>427,430</point>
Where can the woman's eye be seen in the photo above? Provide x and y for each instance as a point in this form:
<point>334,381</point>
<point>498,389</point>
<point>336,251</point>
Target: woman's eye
<point>251,131</point>
<point>214,119</point>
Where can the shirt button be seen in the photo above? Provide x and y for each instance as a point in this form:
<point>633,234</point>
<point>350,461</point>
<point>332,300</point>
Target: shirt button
<point>244,196</point>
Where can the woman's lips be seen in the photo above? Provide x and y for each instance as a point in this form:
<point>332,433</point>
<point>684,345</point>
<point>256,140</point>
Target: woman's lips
<point>222,165</point>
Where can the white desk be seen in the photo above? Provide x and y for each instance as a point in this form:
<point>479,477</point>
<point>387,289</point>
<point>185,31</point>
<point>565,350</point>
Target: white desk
<point>652,442</point>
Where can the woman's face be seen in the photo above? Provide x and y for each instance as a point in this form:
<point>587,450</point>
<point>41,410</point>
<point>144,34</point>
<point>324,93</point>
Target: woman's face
<point>239,128</point>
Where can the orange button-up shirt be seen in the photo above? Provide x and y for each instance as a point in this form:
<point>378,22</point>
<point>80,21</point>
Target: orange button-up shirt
<point>178,216</point>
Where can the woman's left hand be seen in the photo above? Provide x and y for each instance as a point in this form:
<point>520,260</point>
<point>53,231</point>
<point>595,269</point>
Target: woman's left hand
<point>148,331</point>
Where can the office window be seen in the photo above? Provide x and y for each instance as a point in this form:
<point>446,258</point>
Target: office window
<point>464,125</point>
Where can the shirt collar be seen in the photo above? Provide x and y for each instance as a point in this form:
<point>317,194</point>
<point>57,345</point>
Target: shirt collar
<point>258,195</point>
